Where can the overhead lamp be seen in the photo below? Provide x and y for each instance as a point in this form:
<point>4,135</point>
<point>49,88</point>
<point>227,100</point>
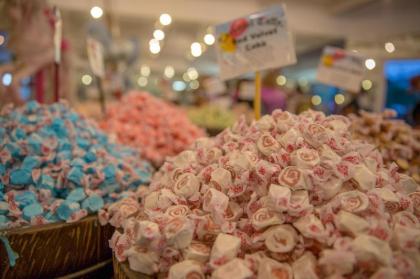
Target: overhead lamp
<point>169,72</point>
<point>145,70</point>
<point>194,84</point>
<point>389,47</point>
<point>196,49</point>
<point>367,84</point>
<point>142,81</point>
<point>339,99</point>
<point>179,85</point>
<point>7,79</point>
<point>159,34</point>
<point>281,80</point>
<point>154,46</point>
<point>96,12</point>
<point>86,79</point>
<point>316,100</point>
<point>209,39</point>
<point>186,77</point>
<point>370,64</point>
<point>165,19</point>
<point>192,73</point>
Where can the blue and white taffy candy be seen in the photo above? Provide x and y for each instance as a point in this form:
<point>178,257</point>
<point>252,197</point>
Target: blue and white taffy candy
<point>60,165</point>
<point>32,210</point>
<point>75,175</point>
<point>25,198</point>
<point>93,203</point>
<point>66,209</point>
<point>21,176</point>
<point>76,195</point>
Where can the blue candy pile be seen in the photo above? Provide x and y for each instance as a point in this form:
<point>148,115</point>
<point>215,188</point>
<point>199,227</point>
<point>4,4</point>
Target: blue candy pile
<point>55,165</point>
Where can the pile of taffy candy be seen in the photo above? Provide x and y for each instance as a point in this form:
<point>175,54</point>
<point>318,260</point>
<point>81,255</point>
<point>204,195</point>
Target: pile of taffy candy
<point>55,165</point>
<point>156,127</point>
<point>286,197</point>
<point>211,117</point>
<point>397,141</point>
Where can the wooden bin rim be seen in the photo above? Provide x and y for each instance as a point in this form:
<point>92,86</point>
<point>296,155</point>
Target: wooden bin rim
<point>37,228</point>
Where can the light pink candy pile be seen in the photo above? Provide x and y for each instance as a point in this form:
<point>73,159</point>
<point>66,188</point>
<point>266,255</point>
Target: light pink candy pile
<point>397,141</point>
<point>287,197</point>
<point>156,127</point>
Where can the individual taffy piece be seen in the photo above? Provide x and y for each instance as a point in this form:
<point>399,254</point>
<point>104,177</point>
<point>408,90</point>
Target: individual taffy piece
<point>225,248</point>
<point>234,269</point>
<point>272,269</point>
<point>187,269</point>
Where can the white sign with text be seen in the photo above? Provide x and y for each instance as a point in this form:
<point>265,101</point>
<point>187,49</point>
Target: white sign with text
<point>341,68</point>
<point>256,42</point>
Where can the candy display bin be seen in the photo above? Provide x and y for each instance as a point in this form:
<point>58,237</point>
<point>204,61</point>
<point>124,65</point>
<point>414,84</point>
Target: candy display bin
<point>123,271</point>
<point>76,250</point>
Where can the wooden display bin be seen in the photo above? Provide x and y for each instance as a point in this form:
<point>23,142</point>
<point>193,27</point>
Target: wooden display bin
<point>123,271</point>
<point>77,250</point>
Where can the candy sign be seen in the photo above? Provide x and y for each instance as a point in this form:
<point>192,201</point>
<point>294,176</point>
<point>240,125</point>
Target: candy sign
<point>341,68</point>
<point>256,42</point>
<point>96,57</point>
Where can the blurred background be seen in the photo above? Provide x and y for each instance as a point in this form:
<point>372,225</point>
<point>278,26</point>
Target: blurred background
<point>167,47</point>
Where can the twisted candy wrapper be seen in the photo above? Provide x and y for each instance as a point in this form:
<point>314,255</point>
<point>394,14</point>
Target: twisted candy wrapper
<point>56,165</point>
<point>286,197</point>
<point>156,128</point>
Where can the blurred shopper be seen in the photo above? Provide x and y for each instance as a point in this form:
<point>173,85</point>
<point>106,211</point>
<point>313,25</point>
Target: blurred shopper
<point>298,101</point>
<point>273,97</point>
<point>30,26</point>
<point>416,116</point>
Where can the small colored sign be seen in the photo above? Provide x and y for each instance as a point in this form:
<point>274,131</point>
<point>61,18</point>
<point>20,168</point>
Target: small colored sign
<point>58,33</point>
<point>96,57</point>
<point>256,42</point>
<point>341,68</point>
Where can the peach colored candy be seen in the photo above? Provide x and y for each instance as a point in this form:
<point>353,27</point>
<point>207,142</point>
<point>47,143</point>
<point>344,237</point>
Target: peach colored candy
<point>157,128</point>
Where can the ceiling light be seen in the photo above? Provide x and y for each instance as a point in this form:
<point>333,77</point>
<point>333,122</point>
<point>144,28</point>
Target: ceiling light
<point>389,47</point>
<point>165,19</point>
<point>281,80</point>
<point>370,64</point>
<point>339,99</point>
<point>186,77</point>
<point>159,34</point>
<point>142,81</point>
<point>169,72</point>
<point>194,84</point>
<point>7,79</point>
<point>154,46</point>
<point>86,79</point>
<point>179,85</point>
<point>316,100</point>
<point>145,70</point>
<point>196,50</point>
<point>209,39</point>
<point>367,84</point>
<point>96,12</point>
<point>192,73</point>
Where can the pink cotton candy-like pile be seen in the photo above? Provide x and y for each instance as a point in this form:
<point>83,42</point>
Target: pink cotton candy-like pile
<point>287,197</point>
<point>156,127</point>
